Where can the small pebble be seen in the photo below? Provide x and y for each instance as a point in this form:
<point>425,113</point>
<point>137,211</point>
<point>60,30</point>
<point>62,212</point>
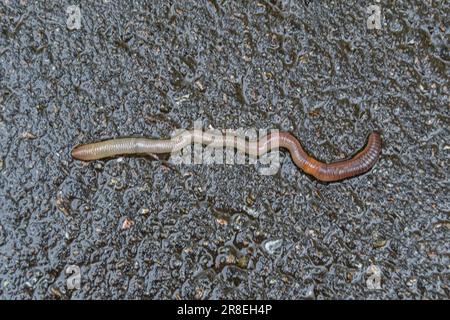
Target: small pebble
<point>127,223</point>
<point>379,243</point>
<point>272,246</point>
<point>221,221</point>
<point>251,199</point>
<point>73,21</point>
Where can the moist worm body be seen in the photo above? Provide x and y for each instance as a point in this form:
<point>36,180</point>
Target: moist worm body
<point>362,162</point>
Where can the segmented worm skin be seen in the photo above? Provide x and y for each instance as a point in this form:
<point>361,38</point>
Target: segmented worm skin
<point>362,162</point>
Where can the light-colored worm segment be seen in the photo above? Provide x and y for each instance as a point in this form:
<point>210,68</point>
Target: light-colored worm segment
<point>360,163</point>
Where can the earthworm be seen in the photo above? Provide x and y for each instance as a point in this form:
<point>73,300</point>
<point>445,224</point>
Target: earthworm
<point>362,162</point>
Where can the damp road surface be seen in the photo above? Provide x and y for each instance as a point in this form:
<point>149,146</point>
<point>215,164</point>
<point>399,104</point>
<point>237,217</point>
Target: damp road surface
<point>329,72</point>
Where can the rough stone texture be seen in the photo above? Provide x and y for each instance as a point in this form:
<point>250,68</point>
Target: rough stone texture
<point>201,232</point>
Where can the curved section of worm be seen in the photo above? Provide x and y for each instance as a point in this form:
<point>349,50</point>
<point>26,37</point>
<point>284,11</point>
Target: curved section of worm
<point>362,162</point>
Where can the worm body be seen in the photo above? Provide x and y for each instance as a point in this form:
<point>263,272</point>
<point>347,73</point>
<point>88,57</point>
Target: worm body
<point>362,162</point>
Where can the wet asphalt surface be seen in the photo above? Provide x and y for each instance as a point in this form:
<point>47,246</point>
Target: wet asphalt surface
<point>142,228</point>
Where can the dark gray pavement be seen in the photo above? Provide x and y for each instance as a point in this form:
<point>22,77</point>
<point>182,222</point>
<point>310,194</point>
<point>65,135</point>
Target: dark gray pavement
<point>138,228</point>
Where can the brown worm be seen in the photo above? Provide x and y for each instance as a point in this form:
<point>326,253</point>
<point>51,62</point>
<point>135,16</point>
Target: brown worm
<point>362,162</point>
